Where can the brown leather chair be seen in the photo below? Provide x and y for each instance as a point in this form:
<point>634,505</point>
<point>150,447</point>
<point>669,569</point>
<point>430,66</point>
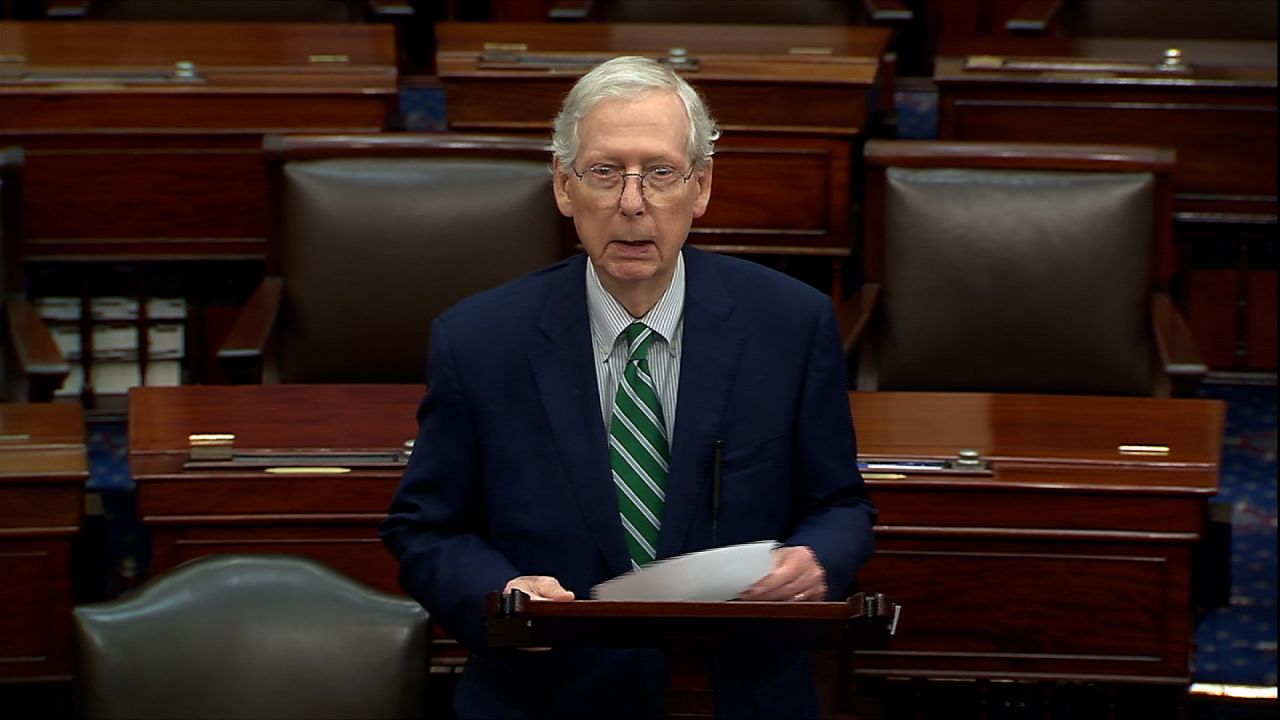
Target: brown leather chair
<point>252,636</point>
<point>373,236</point>
<point>31,366</point>
<point>1003,267</point>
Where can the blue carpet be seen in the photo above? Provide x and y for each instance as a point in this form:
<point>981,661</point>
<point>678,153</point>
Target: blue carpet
<point>1237,644</point>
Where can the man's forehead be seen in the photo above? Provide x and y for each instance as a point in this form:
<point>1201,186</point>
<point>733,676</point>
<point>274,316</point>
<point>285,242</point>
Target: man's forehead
<point>655,122</point>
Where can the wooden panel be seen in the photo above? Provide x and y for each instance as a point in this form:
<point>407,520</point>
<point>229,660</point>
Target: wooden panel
<point>1211,312</point>
<point>40,426</point>
<point>355,551</point>
<point>1100,611</point>
<point>127,160</point>
<point>36,597</point>
<point>1212,139</point>
<point>43,469</point>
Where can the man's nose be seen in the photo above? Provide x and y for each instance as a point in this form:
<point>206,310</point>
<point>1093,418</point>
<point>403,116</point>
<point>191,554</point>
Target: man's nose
<point>632,200</point>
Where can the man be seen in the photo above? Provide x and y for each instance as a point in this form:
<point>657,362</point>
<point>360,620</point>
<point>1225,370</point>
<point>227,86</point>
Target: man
<point>573,416</point>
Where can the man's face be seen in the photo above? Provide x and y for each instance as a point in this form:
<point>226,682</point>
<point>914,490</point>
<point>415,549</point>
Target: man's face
<point>632,240</point>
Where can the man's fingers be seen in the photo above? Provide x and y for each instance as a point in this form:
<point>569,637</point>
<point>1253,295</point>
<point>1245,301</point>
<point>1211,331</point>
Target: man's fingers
<point>539,587</point>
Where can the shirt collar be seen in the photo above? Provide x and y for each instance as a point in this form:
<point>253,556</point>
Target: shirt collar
<point>609,319</point>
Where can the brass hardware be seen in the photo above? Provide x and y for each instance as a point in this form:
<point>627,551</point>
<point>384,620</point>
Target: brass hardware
<point>809,51</point>
<point>1172,59</point>
<point>184,70</point>
<point>883,476</point>
<point>334,59</point>
<point>506,47</point>
<point>1144,449</point>
<point>318,470</point>
<point>211,446</point>
<point>969,460</point>
<point>15,437</point>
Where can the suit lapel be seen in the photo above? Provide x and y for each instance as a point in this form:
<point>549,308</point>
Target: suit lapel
<point>566,382</point>
<point>712,348</point>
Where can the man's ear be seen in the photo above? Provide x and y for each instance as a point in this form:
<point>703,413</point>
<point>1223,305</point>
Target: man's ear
<point>559,183</point>
<point>703,179</point>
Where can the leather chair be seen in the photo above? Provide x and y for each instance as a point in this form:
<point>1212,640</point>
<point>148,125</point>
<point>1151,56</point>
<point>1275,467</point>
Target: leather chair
<point>252,636</point>
<point>373,236</point>
<point>1003,267</point>
<point>31,365</point>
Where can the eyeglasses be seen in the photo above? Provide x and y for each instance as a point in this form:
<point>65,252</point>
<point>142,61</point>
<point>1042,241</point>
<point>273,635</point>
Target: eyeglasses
<point>659,185</point>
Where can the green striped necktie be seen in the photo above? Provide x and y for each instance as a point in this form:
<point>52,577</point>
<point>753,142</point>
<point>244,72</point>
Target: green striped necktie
<point>638,449</point>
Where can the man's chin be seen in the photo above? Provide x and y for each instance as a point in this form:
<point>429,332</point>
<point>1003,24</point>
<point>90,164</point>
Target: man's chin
<point>630,270</point>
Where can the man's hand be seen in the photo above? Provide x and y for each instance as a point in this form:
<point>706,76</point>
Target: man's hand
<point>538,587</point>
<point>797,576</point>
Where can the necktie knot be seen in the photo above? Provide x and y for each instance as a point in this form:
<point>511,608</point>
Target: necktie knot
<point>639,338</point>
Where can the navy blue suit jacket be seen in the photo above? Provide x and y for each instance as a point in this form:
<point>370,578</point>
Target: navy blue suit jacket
<point>510,475</point>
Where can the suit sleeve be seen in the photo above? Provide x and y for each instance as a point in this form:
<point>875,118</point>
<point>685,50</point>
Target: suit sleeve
<point>835,513</point>
<point>436,525</point>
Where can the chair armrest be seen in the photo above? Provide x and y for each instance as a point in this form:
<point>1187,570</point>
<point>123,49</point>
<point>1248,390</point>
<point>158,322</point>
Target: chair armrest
<point>1033,17</point>
<point>389,9</point>
<point>1179,356</point>
<point>248,338</point>
<point>855,313</point>
<point>67,9</point>
<point>38,355</point>
<point>888,11</point>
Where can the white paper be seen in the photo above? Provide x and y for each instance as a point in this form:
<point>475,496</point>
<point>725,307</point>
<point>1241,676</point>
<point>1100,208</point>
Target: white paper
<point>716,574</point>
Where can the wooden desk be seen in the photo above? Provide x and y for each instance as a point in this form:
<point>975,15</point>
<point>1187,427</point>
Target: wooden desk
<point>43,469</point>
<point>128,158</point>
<point>1218,111</point>
<point>793,103</point>
<point>1066,560</point>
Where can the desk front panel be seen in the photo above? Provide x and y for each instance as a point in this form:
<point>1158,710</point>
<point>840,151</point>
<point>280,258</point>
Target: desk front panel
<point>1065,559</point>
<point>43,469</point>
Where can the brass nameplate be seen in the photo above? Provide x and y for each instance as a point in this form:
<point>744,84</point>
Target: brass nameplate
<point>211,446</point>
<point>1144,449</point>
<point>332,59</point>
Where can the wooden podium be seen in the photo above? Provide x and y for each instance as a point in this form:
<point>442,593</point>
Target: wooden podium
<point>690,631</point>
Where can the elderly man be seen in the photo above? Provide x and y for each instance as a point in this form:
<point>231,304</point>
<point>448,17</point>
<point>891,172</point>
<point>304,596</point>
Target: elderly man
<point>573,415</point>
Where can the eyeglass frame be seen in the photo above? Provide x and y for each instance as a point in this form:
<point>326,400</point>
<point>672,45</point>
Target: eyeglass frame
<point>642,175</point>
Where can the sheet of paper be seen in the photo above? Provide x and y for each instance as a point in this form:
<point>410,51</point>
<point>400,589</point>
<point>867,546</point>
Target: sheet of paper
<point>716,574</point>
